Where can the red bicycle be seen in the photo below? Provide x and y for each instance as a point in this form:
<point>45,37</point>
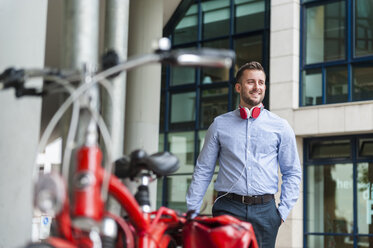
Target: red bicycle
<point>79,206</point>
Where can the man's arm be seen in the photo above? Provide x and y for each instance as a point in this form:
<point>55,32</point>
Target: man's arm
<point>291,171</point>
<point>203,170</point>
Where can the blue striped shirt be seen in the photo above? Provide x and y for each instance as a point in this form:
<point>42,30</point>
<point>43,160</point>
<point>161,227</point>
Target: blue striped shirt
<point>249,153</point>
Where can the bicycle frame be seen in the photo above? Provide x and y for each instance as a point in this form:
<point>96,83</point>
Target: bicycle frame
<point>78,222</point>
<point>150,232</point>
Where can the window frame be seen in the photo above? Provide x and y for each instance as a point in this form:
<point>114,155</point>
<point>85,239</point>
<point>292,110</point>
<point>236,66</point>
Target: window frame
<point>350,59</point>
<point>354,160</point>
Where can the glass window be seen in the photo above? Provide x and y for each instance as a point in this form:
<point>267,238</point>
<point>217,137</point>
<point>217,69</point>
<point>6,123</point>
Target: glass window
<point>336,84</point>
<point>365,147</point>
<point>326,241</point>
<point>362,82</point>
<point>365,241</point>
<point>249,15</point>
<point>162,112</point>
<point>248,49</point>
<point>177,188</point>
<point>312,87</point>
<point>181,144</point>
<point>211,75</point>
<point>329,149</point>
<point>214,102</point>
<point>329,199</point>
<point>364,27</point>
<point>216,17</point>
<point>365,197</point>
<point>187,29</point>
<point>182,75</point>
<point>325,32</point>
<point>183,110</point>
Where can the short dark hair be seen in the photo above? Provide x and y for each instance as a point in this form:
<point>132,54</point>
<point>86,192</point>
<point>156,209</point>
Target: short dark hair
<point>253,65</point>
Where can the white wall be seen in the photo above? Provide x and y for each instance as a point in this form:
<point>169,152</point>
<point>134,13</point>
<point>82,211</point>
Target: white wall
<point>22,25</point>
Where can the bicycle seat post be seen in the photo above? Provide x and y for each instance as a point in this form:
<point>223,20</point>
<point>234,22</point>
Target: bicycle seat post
<point>142,195</point>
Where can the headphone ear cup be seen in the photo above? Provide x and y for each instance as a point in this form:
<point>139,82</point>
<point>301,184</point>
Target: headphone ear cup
<point>255,112</point>
<point>243,113</point>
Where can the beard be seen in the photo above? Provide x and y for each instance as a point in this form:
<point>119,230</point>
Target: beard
<point>251,102</point>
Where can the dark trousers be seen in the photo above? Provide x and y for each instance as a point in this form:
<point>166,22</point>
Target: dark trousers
<point>264,218</point>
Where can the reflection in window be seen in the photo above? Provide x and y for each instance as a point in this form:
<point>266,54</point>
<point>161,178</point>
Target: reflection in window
<point>312,87</point>
<point>325,37</point>
<point>364,27</point>
<point>182,75</point>
<point>363,83</point>
<point>214,102</point>
<point>365,197</point>
<point>336,84</point>
<point>248,49</point>
<point>215,16</point>
<point>210,75</point>
<point>177,188</point>
<point>187,30</point>
<point>182,110</point>
<point>249,15</point>
<point>329,149</point>
<point>330,197</point>
<point>181,144</point>
<point>326,241</point>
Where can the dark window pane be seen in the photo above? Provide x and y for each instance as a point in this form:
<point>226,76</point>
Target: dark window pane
<point>325,32</point>
<point>248,49</point>
<point>364,27</point>
<point>249,15</point>
<point>215,18</point>
<point>366,147</point>
<point>210,75</point>
<point>213,103</point>
<point>365,197</point>
<point>183,110</point>
<point>336,84</point>
<point>311,87</point>
<point>330,199</point>
<point>187,29</point>
<point>329,241</point>
<point>182,75</point>
<point>362,83</point>
<point>330,149</point>
<point>162,112</point>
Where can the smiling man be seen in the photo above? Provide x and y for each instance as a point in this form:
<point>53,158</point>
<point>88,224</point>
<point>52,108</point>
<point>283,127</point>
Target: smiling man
<point>250,144</point>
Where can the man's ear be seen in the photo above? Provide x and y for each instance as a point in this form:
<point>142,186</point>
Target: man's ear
<point>237,87</point>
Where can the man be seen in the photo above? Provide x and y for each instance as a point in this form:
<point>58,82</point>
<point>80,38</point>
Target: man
<point>250,144</point>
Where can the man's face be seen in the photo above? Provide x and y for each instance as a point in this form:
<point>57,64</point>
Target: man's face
<point>251,88</point>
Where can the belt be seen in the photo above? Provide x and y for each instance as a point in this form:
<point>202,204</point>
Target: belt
<point>248,199</point>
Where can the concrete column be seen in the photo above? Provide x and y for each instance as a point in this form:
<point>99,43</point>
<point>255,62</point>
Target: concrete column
<point>113,110</point>
<point>116,38</point>
<point>284,94</point>
<point>23,25</point>
<point>143,84</point>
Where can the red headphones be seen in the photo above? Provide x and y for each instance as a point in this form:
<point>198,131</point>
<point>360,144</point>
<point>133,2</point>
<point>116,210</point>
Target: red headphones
<point>253,112</point>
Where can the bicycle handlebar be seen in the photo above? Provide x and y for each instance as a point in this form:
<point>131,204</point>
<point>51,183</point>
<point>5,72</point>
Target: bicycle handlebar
<point>203,57</point>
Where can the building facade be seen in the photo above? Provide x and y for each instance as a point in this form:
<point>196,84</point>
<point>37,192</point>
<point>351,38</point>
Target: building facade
<point>319,59</point>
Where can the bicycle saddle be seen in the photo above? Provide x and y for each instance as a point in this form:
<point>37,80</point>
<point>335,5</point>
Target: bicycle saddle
<point>161,163</point>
